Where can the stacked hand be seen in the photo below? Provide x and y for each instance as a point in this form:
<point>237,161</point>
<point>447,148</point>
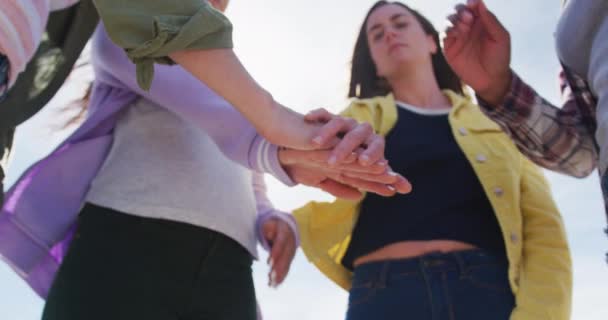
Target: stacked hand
<point>355,163</point>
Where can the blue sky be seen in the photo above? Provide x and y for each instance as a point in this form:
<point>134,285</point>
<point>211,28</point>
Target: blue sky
<point>300,51</point>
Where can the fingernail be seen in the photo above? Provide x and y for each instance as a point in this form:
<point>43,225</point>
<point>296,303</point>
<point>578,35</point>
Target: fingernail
<point>271,263</point>
<point>273,279</point>
<point>332,160</point>
<point>391,188</point>
<point>393,173</point>
<point>318,140</point>
<point>365,158</point>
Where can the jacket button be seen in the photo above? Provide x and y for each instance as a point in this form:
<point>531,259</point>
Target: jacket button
<point>498,191</point>
<point>481,158</point>
<point>463,131</point>
<point>513,237</point>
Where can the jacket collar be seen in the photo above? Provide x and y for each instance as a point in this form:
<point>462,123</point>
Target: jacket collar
<point>464,112</point>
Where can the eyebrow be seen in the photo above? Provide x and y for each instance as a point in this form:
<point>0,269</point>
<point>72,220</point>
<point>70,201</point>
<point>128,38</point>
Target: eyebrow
<point>393,18</point>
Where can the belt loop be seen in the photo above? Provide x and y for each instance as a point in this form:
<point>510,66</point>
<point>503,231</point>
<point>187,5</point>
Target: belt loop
<point>462,265</point>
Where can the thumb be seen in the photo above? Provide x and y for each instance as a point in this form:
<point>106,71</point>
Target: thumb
<point>269,230</point>
<point>495,29</point>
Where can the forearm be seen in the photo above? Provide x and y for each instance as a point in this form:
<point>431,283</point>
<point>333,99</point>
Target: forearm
<point>222,71</point>
<point>178,91</point>
<point>558,139</point>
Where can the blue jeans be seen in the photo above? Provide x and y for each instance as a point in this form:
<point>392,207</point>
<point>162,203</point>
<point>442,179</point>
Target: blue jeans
<point>465,285</point>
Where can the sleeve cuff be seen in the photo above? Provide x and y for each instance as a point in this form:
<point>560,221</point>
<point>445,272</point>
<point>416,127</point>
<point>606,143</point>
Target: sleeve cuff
<point>513,106</point>
<point>285,217</point>
<point>266,159</point>
<point>150,32</point>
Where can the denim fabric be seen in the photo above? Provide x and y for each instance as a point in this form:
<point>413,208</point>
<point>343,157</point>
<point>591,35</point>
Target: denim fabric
<point>466,285</point>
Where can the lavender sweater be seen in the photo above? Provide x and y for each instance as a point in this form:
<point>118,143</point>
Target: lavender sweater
<point>41,208</point>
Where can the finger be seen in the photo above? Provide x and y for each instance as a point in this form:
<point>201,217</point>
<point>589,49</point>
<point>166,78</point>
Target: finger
<point>491,23</point>
<point>319,115</point>
<point>331,130</point>
<point>277,249</point>
<point>402,185</point>
<point>377,168</point>
<point>459,23</point>
<point>340,190</point>
<point>355,137</point>
<point>285,256</point>
<point>374,187</point>
<point>454,44</point>
<point>349,165</point>
<point>448,43</point>
<point>451,33</point>
<point>386,178</point>
<point>321,157</point>
<point>269,229</point>
<point>465,15</point>
<point>453,19</point>
<point>374,151</point>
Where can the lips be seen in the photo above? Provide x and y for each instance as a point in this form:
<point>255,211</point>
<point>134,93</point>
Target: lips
<point>395,46</point>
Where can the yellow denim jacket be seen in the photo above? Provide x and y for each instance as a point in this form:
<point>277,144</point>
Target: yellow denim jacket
<point>540,270</point>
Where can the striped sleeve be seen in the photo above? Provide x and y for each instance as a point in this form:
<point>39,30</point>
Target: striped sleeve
<point>22,24</point>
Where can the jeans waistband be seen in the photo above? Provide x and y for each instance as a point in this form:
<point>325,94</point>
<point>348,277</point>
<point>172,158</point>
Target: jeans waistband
<point>460,261</point>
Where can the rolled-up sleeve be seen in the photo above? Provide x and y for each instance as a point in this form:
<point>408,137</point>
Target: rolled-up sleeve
<point>150,30</point>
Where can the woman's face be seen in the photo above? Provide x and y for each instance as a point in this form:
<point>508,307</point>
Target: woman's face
<point>396,38</point>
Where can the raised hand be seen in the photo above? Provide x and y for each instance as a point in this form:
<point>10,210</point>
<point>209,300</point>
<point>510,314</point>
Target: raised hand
<point>478,48</point>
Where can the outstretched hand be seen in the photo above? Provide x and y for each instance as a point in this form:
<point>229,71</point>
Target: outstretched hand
<point>346,180</point>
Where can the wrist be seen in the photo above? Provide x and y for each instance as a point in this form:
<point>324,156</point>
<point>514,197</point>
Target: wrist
<point>268,116</point>
<point>496,93</point>
<point>289,162</point>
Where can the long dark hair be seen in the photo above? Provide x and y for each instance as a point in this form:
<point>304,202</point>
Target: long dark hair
<point>364,81</point>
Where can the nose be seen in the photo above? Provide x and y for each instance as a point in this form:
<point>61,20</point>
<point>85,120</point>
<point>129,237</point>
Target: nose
<point>389,35</point>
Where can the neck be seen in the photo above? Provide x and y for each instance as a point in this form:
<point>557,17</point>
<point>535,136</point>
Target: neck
<point>418,88</point>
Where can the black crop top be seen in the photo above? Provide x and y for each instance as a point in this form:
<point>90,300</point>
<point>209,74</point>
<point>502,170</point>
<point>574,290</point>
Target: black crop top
<point>447,201</point>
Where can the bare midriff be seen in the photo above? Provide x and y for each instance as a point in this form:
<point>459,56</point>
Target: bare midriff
<point>411,249</point>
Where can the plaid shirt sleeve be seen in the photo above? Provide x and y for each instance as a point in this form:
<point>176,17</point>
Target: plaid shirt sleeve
<point>559,139</point>
<point>3,76</point>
